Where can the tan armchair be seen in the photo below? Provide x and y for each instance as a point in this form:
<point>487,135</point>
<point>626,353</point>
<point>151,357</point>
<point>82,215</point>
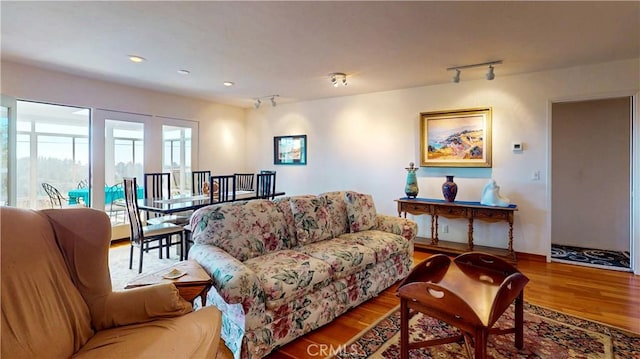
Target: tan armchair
<point>57,300</point>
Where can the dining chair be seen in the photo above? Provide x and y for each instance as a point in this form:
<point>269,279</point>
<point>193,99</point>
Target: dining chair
<point>55,197</point>
<point>222,188</point>
<point>198,179</point>
<point>244,181</point>
<point>158,186</point>
<point>266,185</point>
<point>143,236</point>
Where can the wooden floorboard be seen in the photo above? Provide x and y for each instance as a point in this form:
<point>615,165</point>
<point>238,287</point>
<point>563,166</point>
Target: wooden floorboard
<point>605,296</point>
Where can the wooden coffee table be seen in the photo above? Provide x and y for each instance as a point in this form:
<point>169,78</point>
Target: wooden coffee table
<point>196,283</point>
<point>470,293</point>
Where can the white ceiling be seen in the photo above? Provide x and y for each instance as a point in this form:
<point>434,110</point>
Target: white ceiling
<point>289,48</point>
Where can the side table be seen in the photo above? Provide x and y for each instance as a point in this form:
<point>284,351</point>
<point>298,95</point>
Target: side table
<point>196,283</point>
<point>470,293</point>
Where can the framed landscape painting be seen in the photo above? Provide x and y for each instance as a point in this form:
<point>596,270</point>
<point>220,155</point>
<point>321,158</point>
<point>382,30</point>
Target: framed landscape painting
<point>458,138</point>
<point>290,150</point>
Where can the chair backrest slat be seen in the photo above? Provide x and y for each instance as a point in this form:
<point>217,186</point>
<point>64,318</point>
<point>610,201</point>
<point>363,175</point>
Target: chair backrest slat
<point>131,202</point>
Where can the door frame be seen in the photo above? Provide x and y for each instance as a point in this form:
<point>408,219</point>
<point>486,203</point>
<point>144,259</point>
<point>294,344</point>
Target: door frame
<point>634,181</point>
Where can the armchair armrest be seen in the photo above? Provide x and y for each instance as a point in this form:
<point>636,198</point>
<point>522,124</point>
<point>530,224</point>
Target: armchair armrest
<point>397,225</point>
<point>138,305</point>
<point>234,282</point>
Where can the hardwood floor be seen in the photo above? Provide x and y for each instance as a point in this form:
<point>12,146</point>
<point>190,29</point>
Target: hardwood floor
<point>605,296</point>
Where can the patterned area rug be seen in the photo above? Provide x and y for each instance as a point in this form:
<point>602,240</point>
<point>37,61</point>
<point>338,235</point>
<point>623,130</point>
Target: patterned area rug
<point>547,334</point>
<point>593,257</point>
<point>119,264</point>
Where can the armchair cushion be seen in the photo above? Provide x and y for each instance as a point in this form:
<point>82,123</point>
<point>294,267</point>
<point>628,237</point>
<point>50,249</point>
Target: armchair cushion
<point>361,211</point>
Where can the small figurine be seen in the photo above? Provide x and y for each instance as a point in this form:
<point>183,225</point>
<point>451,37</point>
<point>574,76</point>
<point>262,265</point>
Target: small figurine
<point>491,195</point>
<point>205,188</point>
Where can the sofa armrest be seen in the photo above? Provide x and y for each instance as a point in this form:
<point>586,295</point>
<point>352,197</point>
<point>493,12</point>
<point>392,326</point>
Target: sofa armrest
<point>234,281</point>
<point>138,305</point>
<point>405,227</point>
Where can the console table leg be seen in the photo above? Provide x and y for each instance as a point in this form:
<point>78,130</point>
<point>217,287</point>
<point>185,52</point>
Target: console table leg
<point>470,234</point>
<point>434,229</point>
<point>510,237</point>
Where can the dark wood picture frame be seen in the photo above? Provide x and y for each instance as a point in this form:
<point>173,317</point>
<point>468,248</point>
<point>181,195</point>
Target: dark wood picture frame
<point>290,150</point>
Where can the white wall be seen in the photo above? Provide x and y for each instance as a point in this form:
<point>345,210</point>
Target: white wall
<point>364,143</point>
<point>222,129</point>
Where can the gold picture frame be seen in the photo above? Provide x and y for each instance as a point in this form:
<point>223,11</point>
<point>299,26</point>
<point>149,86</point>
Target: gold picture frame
<point>456,138</point>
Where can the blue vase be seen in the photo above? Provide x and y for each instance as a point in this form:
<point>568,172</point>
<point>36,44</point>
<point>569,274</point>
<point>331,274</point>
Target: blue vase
<point>449,189</point>
<point>411,188</point>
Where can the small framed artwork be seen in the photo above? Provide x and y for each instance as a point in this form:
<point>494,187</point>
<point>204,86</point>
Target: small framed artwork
<point>458,138</point>
<point>290,150</point>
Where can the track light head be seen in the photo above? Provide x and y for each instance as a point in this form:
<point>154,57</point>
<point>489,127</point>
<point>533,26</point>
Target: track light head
<point>273,101</point>
<point>335,76</point>
<point>257,104</point>
<point>490,74</point>
<point>456,77</point>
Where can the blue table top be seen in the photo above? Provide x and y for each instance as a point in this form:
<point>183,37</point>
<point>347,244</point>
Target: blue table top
<point>109,195</point>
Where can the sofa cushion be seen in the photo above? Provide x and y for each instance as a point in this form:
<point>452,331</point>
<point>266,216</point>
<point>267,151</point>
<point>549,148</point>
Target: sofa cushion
<point>243,229</point>
<point>311,219</point>
<point>383,244</point>
<point>284,205</point>
<point>288,274</point>
<point>337,208</point>
<point>42,310</point>
<point>344,258</point>
<point>361,211</point>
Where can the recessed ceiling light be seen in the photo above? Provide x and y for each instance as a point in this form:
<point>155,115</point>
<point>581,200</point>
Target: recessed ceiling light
<point>184,72</point>
<point>228,83</point>
<point>136,59</point>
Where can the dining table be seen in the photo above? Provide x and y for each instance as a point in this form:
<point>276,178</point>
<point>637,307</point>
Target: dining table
<point>190,203</point>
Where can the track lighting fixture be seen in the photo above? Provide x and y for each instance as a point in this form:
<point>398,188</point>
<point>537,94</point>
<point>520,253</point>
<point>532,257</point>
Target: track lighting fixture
<point>337,78</point>
<point>489,76</point>
<point>270,97</point>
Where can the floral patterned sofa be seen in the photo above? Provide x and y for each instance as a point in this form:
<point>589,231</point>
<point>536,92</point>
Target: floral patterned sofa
<point>285,267</point>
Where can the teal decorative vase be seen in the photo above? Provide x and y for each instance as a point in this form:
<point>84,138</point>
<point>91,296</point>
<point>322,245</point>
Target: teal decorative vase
<point>411,188</point>
<point>449,189</point>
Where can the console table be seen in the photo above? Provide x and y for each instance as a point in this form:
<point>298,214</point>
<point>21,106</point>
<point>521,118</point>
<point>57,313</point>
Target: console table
<point>459,209</point>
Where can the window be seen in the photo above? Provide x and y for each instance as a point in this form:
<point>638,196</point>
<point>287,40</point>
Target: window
<point>176,157</point>
<point>52,147</point>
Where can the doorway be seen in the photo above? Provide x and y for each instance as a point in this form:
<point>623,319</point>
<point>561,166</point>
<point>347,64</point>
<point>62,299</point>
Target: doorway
<point>591,180</point>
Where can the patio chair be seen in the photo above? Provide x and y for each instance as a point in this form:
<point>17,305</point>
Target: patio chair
<point>55,197</point>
